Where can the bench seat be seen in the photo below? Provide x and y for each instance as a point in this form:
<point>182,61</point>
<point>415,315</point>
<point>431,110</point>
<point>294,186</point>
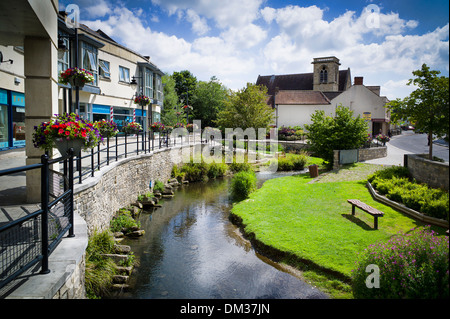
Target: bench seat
<point>368,209</point>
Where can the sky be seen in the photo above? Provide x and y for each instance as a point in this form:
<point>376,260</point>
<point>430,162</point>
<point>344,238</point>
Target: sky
<point>237,40</point>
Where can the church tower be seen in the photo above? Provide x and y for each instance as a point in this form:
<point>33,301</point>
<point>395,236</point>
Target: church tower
<point>326,74</point>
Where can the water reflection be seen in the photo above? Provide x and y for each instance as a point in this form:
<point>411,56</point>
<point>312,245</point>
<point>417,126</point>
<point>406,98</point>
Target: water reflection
<point>191,250</point>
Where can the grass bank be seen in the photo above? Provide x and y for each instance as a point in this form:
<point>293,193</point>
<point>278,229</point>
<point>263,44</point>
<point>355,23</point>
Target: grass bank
<point>309,224</point>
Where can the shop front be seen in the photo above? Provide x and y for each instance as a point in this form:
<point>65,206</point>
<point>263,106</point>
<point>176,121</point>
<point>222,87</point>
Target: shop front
<point>12,119</point>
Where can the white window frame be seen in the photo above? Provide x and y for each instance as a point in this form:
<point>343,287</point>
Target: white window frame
<point>104,69</point>
<point>124,74</point>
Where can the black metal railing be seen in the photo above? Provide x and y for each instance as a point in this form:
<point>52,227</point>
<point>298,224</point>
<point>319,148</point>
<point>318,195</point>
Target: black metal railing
<point>31,239</point>
<point>122,146</point>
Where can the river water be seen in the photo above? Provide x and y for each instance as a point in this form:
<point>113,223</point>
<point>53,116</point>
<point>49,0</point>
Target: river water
<point>191,250</point>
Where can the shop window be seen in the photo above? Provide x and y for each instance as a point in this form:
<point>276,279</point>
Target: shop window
<point>4,126</point>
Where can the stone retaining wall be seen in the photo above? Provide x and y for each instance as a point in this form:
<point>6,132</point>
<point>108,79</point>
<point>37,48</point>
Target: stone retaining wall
<point>433,173</point>
<point>119,184</point>
<point>364,154</point>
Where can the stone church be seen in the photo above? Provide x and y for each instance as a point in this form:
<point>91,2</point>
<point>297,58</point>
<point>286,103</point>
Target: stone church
<point>295,97</point>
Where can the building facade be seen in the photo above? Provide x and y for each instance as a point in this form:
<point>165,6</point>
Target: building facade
<point>295,97</point>
<point>109,97</point>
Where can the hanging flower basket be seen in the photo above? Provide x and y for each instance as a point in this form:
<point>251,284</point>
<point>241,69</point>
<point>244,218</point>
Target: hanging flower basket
<point>106,128</point>
<point>76,77</point>
<point>132,128</point>
<point>157,127</point>
<point>63,128</point>
<point>63,145</point>
<point>142,100</point>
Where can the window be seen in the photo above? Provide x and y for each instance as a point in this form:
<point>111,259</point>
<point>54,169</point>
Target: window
<point>324,75</point>
<point>104,69</point>
<point>89,60</point>
<point>124,74</point>
<point>148,89</point>
<point>63,58</point>
<point>159,88</point>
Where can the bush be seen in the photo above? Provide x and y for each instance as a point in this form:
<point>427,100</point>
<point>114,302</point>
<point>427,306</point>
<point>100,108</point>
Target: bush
<point>413,265</point>
<point>217,170</point>
<point>195,172</point>
<point>123,222</point>
<point>292,162</point>
<point>159,186</point>
<point>240,167</point>
<point>242,184</point>
<point>394,184</point>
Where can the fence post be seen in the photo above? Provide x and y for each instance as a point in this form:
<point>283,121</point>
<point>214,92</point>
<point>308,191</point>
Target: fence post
<point>71,229</point>
<point>44,204</point>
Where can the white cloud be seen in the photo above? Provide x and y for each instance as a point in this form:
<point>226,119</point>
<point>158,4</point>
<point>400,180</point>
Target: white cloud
<point>241,48</point>
<point>199,25</point>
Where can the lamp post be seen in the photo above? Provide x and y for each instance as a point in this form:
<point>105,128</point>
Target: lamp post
<point>134,84</point>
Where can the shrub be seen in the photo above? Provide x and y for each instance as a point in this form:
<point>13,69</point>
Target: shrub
<point>242,184</point>
<point>413,265</point>
<point>240,167</point>
<point>159,186</point>
<point>217,170</point>
<point>394,184</point>
<point>99,269</point>
<point>123,222</point>
<point>195,172</point>
<point>177,173</point>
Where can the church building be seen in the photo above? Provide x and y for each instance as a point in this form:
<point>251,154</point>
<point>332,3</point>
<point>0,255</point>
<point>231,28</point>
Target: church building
<point>295,97</point>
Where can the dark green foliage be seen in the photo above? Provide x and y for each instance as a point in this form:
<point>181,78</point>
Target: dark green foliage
<point>242,184</point>
<point>394,184</point>
<point>341,132</point>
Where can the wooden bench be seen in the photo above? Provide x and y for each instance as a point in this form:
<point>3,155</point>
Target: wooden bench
<point>368,209</point>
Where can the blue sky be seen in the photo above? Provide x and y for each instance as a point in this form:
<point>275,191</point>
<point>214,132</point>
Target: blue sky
<point>237,40</point>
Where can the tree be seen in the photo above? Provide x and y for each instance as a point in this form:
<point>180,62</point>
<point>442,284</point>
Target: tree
<point>208,99</point>
<point>246,108</point>
<point>341,132</point>
<point>168,113</point>
<point>427,106</point>
<point>185,83</point>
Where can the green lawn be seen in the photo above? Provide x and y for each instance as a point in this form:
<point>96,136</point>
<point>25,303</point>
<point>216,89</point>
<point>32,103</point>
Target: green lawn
<point>313,220</point>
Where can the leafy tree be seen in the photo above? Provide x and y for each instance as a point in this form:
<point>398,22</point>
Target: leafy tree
<point>246,108</point>
<point>208,99</point>
<point>185,83</point>
<point>168,112</point>
<point>341,132</point>
<point>427,106</point>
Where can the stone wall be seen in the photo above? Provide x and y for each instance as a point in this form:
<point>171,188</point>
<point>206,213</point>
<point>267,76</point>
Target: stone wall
<point>364,154</point>
<point>433,173</point>
<point>119,184</point>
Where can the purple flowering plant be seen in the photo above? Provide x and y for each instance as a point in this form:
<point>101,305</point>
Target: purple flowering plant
<point>411,265</point>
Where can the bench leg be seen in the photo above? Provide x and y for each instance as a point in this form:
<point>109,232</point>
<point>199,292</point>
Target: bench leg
<point>375,222</point>
<point>353,210</point>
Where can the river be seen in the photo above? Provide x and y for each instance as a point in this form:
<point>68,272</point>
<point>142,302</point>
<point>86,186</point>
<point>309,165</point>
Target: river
<point>191,250</point>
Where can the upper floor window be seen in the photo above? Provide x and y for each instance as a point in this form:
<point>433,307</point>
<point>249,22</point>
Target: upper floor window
<point>159,88</point>
<point>124,74</point>
<point>148,83</point>
<point>89,55</point>
<point>63,57</point>
<point>324,75</point>
<point>104,69</point>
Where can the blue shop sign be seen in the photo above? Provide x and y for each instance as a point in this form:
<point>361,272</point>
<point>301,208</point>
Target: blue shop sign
<point>101,109</point>
<point>3,96</point>
<point>17,99</point>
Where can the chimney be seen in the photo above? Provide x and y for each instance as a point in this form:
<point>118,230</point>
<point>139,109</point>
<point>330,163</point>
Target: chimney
<point>358,80</point>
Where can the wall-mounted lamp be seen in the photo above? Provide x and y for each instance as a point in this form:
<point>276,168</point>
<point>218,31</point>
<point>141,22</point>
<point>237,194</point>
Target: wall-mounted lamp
<point>1,59</point>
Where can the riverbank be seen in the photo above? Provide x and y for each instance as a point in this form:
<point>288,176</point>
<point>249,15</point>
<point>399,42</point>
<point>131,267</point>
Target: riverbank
<point>307,223</point>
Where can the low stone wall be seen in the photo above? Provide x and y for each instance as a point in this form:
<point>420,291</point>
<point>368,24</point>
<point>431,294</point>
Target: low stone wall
<point>119,184</point>
<point>433,173</point>
<point>364,154</point>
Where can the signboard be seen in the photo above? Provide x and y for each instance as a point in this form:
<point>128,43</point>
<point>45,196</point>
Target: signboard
<point>367,116</point>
